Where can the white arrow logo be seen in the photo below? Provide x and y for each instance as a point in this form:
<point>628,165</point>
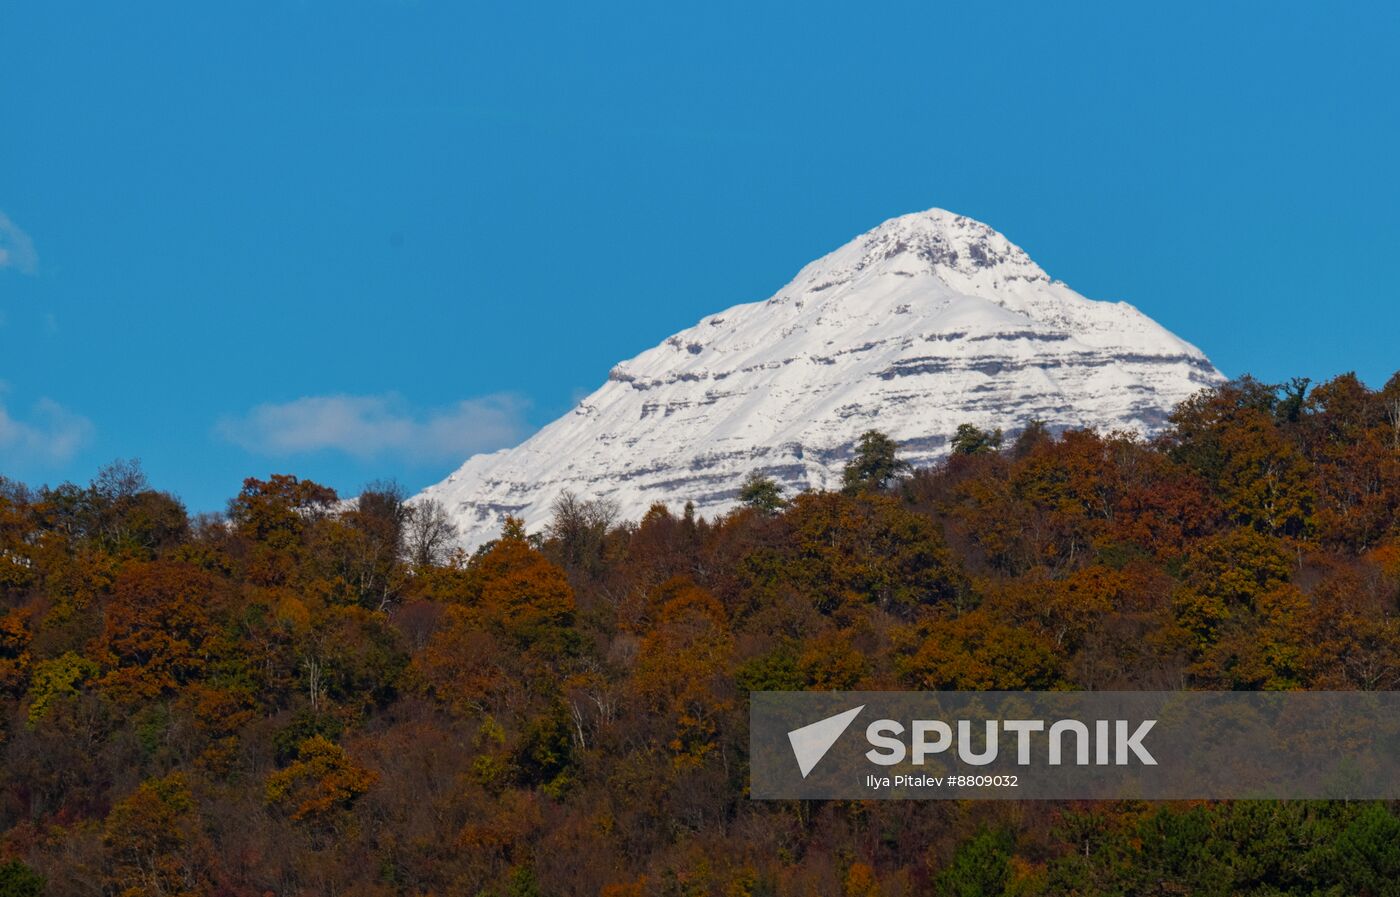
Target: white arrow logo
<point>810,743</point>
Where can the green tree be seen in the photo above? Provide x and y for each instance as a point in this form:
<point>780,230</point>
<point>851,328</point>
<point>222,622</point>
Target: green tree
<point>1364,857</point>
<point>1290,406</point>
<point>762,493</point>
<point>970,440</point>
<point>18,880</point>
<point>876,464</point>
<point>980,868</point>
<point>522,883</point>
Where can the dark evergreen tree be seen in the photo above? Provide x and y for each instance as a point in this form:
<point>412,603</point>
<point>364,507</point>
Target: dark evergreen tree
<point>980,868</point>
<point>18,880</point>
<point>970,440</point>
<point>763,494</point>
<point>1290,406</point>
<point>875,466</point>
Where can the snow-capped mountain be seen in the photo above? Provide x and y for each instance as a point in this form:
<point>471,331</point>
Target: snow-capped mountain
<point>929,321</point>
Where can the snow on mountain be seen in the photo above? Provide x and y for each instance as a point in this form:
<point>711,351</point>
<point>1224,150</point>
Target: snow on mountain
<point>928,321</point>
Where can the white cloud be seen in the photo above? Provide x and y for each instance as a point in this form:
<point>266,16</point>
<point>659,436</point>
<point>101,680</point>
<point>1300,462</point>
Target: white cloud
<point>369,427</point>
<point>16,249</point>
<point>50,435</point>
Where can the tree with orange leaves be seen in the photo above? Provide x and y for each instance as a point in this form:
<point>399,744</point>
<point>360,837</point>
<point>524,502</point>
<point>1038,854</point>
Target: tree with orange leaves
<point>681,670</point>
<point>15,657</point>
<point>506,634</point>
<point>516,589</point>
<point>323,781</point>
<point>158,630</point>
<point>975,652</point>
<point>152,845</point>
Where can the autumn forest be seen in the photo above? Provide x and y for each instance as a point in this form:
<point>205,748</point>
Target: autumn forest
<point>310,695</point>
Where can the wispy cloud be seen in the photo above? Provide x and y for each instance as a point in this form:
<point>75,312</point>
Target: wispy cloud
<point>50,434</point>
<point>377,426</point>
<point>16,249</point>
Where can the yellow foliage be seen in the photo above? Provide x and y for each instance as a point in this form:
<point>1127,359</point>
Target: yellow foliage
<point>322,780</point>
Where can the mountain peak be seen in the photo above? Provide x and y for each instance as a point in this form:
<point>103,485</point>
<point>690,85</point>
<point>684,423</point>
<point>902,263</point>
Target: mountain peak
<point>923,323</point>
<point>963,253</point>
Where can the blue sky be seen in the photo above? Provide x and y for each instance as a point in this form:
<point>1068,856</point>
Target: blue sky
<point>352,240</point>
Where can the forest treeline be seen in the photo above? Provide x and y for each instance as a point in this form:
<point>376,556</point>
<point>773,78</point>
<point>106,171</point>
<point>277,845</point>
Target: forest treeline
<point>314,696</point>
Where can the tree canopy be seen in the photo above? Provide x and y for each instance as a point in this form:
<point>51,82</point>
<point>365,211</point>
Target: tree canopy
<point>317,696</point>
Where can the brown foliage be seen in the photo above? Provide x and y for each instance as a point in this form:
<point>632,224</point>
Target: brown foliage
<point>304,699</point>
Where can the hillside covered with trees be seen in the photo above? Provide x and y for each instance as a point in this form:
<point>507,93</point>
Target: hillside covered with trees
<point>309,696</point>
